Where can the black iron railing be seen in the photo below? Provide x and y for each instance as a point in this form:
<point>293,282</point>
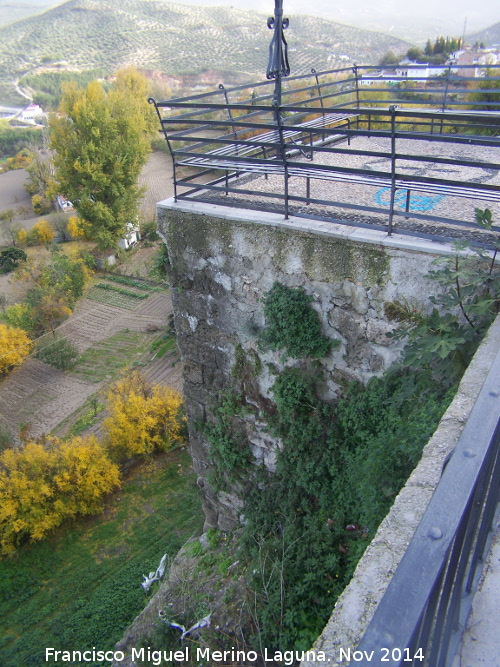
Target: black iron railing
<point>424,610</point>
<point>317,134</point>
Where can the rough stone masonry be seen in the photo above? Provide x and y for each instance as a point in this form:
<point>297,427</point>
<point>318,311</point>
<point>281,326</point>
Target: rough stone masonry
<point>222,261</point>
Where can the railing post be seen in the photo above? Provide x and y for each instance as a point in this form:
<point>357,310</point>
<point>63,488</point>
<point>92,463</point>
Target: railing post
<point>313,71</point>
<point>277,112</point>
<point>355,70</point>
<point>407,209</point>
<point>229,112</point>
<point>444,96</point>
<point>392,109</point>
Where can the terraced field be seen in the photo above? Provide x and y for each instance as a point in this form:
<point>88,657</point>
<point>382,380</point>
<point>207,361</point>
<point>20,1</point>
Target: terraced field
<point>110,338</point>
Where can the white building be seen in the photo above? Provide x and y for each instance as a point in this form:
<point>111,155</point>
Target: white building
<point>32,112</point>
<point>131,237</point>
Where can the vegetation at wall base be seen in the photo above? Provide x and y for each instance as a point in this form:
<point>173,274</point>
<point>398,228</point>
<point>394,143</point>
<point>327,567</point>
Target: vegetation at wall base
<point>337,475</point>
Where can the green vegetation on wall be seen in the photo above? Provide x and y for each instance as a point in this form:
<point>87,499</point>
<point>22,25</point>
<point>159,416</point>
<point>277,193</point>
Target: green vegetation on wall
<point>338,471</point>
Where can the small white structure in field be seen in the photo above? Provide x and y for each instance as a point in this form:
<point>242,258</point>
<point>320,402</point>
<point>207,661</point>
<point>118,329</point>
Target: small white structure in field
<point>64,204</point>
<point>30,113</point>
<point>131,237</point>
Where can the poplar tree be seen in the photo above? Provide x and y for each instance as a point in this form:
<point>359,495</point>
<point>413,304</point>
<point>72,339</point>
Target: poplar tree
<point>102,140</point>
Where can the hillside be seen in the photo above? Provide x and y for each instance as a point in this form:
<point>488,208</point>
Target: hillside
<point>176,39</point>
<point>489,35</point>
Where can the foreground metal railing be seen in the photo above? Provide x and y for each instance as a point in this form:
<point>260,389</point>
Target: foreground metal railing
<point>424,610</point>
<point>311,138</point>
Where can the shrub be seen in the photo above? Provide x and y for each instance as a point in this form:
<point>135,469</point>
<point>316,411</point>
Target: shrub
<point>292,325</point>
<point>44,483</point>
<point>10,258</point>
<point>142,417</point>
<point>41,205</point>
<point>58,352</point>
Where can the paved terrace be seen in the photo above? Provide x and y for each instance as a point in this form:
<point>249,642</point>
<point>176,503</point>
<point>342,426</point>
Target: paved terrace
<point>360,194</point>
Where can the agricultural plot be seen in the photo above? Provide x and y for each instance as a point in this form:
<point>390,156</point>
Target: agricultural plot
<point>105,359</point>
<point>110,339</point>
<point>111,298</point>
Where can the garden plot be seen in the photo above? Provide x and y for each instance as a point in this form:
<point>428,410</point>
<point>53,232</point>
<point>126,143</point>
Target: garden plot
<point>103,360</point>
<point>110,339</point>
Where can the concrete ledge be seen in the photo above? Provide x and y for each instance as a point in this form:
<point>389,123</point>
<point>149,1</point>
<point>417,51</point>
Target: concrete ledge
<point>331,229</point>
<point>356,606</point>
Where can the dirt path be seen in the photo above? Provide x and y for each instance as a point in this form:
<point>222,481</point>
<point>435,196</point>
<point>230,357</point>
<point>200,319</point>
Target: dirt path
<point>157,177</point>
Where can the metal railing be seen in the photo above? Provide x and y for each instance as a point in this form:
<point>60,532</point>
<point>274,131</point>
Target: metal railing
<point>424,610</point>
<point>215,138</point>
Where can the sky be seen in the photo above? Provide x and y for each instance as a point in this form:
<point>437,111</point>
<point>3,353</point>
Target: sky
<point>416,20</point>
<point>429,17</point>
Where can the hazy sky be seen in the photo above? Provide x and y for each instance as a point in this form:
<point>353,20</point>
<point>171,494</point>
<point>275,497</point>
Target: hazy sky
<point>440,15</point>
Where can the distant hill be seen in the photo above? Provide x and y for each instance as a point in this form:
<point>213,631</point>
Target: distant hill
<point>489,36</point>
<point>175,39</point>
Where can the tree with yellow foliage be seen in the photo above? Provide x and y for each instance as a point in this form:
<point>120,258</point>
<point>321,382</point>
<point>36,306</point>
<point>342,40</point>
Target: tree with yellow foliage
<point>15,345</point>
<point>102,140</point>
<point>46,482</point>
<point>22,236</point>
<point>142,417</point>
<point>75,228</point>
<point>43,232</point>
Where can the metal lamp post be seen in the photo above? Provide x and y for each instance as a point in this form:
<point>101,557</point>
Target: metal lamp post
<point>278,66</point>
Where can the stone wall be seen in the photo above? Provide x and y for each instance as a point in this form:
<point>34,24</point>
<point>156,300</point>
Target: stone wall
<point>223,261</point>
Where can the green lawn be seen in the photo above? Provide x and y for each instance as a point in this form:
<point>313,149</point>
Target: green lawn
<point>81,588</point>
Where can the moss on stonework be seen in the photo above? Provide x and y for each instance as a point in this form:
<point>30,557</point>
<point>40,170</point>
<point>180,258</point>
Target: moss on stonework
<point>323,259</point>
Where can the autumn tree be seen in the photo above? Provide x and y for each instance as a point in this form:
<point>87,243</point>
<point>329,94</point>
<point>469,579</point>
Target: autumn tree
<point>41,185</point>
<point>75,228</point>
<point>21,236</point>
<point>43,232</point>
<point>46,482</point>
<point>52,290</point>
<point>102,140</point>
<point>142,417</point>
<point>15,345</point>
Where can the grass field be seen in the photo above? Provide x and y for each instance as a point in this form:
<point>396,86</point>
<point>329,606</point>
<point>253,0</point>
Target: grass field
<point>81,588</point>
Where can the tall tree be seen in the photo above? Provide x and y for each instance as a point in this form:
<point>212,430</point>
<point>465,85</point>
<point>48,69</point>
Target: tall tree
<point>102,140</point>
